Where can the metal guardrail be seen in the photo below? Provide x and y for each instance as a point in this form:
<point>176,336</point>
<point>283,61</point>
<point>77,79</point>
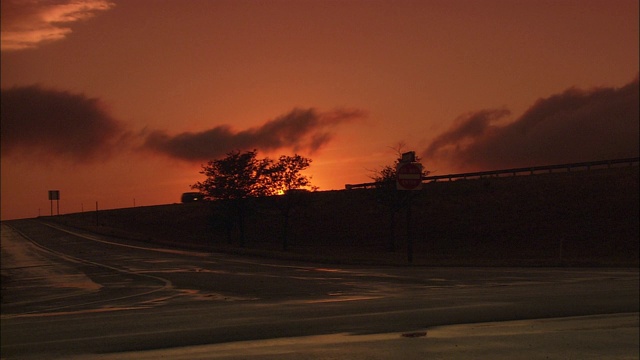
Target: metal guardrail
<point>516,171</point>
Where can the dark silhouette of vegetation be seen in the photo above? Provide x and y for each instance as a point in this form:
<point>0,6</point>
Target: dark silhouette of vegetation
<point>290,183</point>
<point>237,176</point>
<point>231,179</point>
<point>241,175</point>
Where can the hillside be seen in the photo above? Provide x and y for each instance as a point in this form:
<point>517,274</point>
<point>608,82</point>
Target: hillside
<point>567,218</point>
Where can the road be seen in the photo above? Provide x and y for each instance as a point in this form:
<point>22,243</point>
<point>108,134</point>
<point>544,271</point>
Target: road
<point>67,293</point>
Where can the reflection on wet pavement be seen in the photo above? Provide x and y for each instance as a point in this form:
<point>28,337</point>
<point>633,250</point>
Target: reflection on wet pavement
<point>27,266</point>
<point>200,295</point>
<point>586,337</point>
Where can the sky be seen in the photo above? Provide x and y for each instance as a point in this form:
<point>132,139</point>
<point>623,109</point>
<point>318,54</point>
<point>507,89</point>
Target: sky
<point>120,103</point>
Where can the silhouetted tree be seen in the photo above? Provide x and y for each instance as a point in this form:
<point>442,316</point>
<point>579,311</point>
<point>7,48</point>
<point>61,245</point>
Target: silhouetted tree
<point>238,176</point>
<point>287,180</point>
<point>285,174</point>
<point>241,175</point>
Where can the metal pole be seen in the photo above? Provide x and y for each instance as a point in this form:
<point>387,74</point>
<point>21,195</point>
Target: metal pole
<point>409,234</point>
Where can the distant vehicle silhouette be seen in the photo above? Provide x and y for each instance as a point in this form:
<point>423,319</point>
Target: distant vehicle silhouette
<point>189,197</point>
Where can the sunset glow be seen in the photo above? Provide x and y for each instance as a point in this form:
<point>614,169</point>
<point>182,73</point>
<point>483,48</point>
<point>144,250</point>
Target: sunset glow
<point>110,101</point>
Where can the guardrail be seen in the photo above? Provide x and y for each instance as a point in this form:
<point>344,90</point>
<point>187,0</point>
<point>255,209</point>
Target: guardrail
<point>517,171</point>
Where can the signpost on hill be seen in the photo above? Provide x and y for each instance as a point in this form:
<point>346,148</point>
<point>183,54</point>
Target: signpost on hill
<point>409,177</point>
<point>54,195</point>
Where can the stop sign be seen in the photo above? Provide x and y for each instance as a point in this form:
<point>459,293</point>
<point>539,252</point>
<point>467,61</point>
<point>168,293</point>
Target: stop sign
<point>409,176</point>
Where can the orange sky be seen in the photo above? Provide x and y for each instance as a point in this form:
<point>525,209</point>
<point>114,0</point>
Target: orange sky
<point>112,101</point>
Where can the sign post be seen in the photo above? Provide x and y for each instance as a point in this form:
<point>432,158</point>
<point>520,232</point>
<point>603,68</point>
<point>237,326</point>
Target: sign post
<point>54,195</point>
<point>409,177</point>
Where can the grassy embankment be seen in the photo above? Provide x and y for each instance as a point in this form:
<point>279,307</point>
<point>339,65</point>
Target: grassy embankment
<point>579,218</point>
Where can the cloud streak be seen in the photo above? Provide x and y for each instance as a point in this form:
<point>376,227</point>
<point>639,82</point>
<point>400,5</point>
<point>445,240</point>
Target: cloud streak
<point>40,124</point>
<point>27,24</point>
<point>43,124</point>
<point>300,129</point>
<point>572,126</point>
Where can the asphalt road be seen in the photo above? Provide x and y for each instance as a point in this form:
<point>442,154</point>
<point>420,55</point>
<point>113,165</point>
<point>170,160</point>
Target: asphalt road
<point>67,293</point>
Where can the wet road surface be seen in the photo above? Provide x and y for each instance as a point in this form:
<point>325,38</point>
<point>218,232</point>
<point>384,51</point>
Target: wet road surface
<point>66,293</point>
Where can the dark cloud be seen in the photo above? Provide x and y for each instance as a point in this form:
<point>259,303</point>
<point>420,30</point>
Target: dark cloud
<point>43,123</point>
<point>300,129</point>
<point>573,126</point>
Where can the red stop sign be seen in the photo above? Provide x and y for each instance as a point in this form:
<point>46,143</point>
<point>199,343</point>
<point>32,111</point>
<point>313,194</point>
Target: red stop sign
<point>409,176</point>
